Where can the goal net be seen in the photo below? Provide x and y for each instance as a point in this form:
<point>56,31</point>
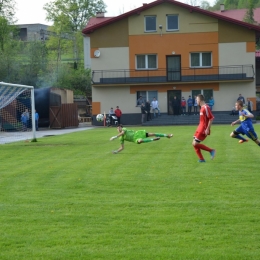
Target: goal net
<point>17,113</point>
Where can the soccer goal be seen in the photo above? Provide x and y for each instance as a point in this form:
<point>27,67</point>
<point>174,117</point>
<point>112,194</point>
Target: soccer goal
<point>17,113</point>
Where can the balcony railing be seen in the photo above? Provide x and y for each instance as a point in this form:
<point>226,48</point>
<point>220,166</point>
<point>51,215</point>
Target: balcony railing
<point>223,73</point>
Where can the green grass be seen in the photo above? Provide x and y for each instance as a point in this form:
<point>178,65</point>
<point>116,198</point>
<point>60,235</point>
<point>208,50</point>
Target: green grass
<point>69,197</point>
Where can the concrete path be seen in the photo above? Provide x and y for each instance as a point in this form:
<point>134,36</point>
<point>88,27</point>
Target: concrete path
<point>10,137</point>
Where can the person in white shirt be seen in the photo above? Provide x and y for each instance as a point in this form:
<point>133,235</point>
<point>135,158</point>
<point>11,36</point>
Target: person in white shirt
<point>155,106</point>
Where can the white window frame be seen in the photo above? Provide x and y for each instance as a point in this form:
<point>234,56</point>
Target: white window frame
<point>145,94</point>
<point>146,62</point>
<point>167,28</point>
<point>145,23</point>
<point>200,65</point>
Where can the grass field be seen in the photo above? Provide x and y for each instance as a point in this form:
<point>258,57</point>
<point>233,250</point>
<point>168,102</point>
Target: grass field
<point>69,197</point>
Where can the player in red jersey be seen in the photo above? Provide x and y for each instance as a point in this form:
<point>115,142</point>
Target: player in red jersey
<point>203,129</point>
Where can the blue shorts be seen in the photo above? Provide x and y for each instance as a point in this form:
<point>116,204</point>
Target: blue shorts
<point>248,131</point>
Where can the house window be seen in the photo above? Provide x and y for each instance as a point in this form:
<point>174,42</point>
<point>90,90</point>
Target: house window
<point>148,61</point>
<point>147,95</point>
<point>150,23</point>
<point>200,59</point>
<point>207,93</point>
<point>172,21</point>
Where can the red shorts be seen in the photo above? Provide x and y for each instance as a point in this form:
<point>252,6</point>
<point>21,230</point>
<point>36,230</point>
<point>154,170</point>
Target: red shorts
<point>199,136</point>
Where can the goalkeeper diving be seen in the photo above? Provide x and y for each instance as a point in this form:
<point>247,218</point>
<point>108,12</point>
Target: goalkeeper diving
<point>138,137</point>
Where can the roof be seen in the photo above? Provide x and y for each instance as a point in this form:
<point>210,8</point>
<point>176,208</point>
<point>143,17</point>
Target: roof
<point>239,14</point>
<point>96,20</point>
<point>91,28</point>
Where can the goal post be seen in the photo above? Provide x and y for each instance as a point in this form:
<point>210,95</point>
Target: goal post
<point>17,113</point>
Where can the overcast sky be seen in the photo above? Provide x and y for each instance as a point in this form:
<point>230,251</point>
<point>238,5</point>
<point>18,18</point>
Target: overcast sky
<point>31,11</point>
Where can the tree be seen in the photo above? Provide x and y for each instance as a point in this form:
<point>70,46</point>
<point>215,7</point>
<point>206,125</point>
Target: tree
<point>73,13</point>
<point>77,80</point>
<point>5,32</point>
<point>205,5</point>
<point>7,9</point>
<point>249,16</point>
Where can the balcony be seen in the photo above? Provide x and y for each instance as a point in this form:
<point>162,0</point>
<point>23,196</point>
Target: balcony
<point>185,75</point>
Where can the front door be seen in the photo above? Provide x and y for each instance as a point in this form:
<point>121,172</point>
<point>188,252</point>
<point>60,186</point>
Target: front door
<point>173,65</point>
<point>170,96</point>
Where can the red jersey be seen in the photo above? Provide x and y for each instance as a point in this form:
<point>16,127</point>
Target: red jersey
<point>205,117</point>
<point>118,112</point>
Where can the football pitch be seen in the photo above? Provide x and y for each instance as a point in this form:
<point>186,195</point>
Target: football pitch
<point>69,197</point>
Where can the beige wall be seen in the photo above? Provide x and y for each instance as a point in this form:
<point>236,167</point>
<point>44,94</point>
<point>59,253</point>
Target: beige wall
<point>235,54</point>
<point>228,93</point>
<point>111,58</point>
<point>116,96</point>
<point>188,22</point>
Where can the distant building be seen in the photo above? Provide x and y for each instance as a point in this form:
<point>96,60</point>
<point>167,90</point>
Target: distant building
<point>32,32</point>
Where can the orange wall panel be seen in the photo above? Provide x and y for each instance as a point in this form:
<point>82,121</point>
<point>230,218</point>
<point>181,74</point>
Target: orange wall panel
<point>96,107</point>
<point>181,44</point>
<point>250,47</point>
<point>92,52</point>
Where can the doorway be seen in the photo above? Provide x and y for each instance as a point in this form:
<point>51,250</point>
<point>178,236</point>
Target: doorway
<point>173,65</point>
<point>170,96</point>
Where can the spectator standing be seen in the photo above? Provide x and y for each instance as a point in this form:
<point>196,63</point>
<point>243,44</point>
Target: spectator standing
<point>36,121</point>
<point>175,106</point>
<point>118,113</point>
<point>211,103</point>
<point>240,97</point>
<point>26,113</point>
<point>183,106</point>
<point>143,112</point>
<point>148,110</point>
<point>190,103</point>
<point>195,105</point>
<point>155,106</point>
<point>249,104</point>
<point>24,121</point>
<point>139,101</point>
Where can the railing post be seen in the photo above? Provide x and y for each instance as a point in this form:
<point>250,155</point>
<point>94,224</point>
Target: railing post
<point>93,76</point>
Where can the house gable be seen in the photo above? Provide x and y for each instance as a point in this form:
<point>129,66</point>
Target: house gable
<point>232,33</point>
<point>111,35</point>
<point>188,22</point>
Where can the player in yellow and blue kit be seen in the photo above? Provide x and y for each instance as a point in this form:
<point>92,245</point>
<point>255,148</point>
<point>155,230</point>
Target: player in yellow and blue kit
<point>137,137</point>
<point>246,126</point>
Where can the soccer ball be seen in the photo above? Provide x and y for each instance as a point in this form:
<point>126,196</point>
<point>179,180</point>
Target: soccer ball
<point>100,118</point>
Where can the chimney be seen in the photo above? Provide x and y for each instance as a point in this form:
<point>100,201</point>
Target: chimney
<point>144,4</point>
<point>100,14</point>
<point>222,7</point>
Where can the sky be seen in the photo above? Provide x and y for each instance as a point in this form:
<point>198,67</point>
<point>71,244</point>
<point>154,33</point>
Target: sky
<point>31,11</point>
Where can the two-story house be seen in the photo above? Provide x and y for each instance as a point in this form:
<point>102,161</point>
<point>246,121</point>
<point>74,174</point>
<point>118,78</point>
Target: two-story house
<point>166,49</point>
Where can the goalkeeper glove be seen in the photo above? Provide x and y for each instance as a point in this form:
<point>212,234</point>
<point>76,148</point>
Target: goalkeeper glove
<point>113,138</point>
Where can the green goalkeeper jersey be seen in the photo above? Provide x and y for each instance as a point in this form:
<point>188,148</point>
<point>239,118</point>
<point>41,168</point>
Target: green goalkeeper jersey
<point>132,136</point>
